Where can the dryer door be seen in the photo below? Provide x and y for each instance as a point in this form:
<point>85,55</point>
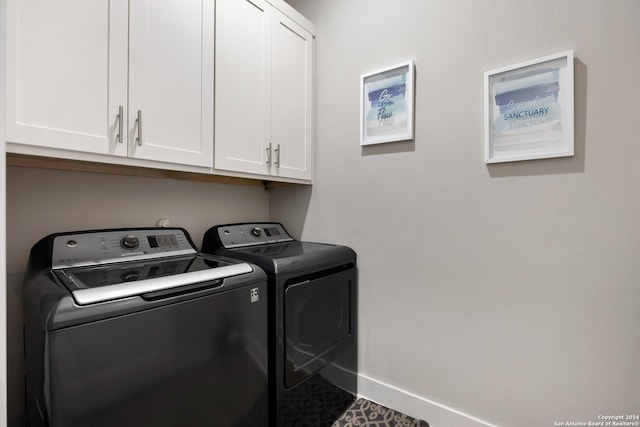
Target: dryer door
<point>318,322</point>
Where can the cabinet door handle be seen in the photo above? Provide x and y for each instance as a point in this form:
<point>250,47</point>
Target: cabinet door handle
<point>120,118</point>
<point>277,150</point>
<point>269,156</point>
<point>139,123</point>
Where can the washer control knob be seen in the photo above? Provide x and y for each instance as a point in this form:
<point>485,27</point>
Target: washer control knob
<point>129,242</point>
<point>256,231</point>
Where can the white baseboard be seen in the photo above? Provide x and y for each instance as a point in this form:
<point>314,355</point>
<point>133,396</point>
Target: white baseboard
<point>434,413</point>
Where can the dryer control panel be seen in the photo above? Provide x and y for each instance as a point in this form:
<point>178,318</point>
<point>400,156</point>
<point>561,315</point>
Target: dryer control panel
<point>102,247</point>
<point>252,234</point>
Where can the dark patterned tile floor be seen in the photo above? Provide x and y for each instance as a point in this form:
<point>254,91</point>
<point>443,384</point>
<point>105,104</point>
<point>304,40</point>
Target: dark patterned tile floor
<point>364,413</point>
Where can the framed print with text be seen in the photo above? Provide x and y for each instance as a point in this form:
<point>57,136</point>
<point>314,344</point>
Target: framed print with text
<point>386,105</point>
<point>528,111</point>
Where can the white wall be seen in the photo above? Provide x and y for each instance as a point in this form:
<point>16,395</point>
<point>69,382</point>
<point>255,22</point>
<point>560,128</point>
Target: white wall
<point>40,202</point>
<point>507,292</point>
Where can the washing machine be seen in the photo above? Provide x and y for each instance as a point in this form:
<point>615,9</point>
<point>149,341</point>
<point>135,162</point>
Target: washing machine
<point>134,327</point>
<point>312,290</point>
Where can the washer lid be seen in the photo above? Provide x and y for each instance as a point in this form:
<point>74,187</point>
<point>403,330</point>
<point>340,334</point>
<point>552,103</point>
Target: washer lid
<point>100,283</point>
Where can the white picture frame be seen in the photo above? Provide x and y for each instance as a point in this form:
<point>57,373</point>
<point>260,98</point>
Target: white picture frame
<point>386,104</point>
<point>528,111</point>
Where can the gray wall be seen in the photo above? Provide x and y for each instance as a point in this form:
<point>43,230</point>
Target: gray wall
<point>508,292</point>
<point>40,202</point>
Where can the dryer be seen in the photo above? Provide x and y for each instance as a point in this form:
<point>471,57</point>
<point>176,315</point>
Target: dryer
<point>313,292</point>
<point>134,327</point>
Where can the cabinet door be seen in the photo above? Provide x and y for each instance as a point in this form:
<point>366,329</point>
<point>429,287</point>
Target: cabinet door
<point>292,53</point>
<point>171,81</point>
<point>243,84</point>
<point>66,73</point>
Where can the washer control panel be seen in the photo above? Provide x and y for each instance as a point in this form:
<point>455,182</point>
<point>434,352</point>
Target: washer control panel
<point>101,247</point>
<point>252,234</point>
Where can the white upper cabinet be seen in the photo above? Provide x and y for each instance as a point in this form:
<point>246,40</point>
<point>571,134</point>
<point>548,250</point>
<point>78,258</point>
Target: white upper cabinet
<point>243,85</point>
<point>213,86</point>
<point>263,91</point>
<point>171,56</point>
<point>291,89</point>
<point>73,65</point>
<point>66,73</point>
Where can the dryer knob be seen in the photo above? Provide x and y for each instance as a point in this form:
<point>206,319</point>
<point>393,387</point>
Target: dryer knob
<point>129,242</point>
<point>256,231</point>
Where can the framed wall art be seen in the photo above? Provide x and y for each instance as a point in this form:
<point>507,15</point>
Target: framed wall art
<point>386,104</point>
<point>528,111</point>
